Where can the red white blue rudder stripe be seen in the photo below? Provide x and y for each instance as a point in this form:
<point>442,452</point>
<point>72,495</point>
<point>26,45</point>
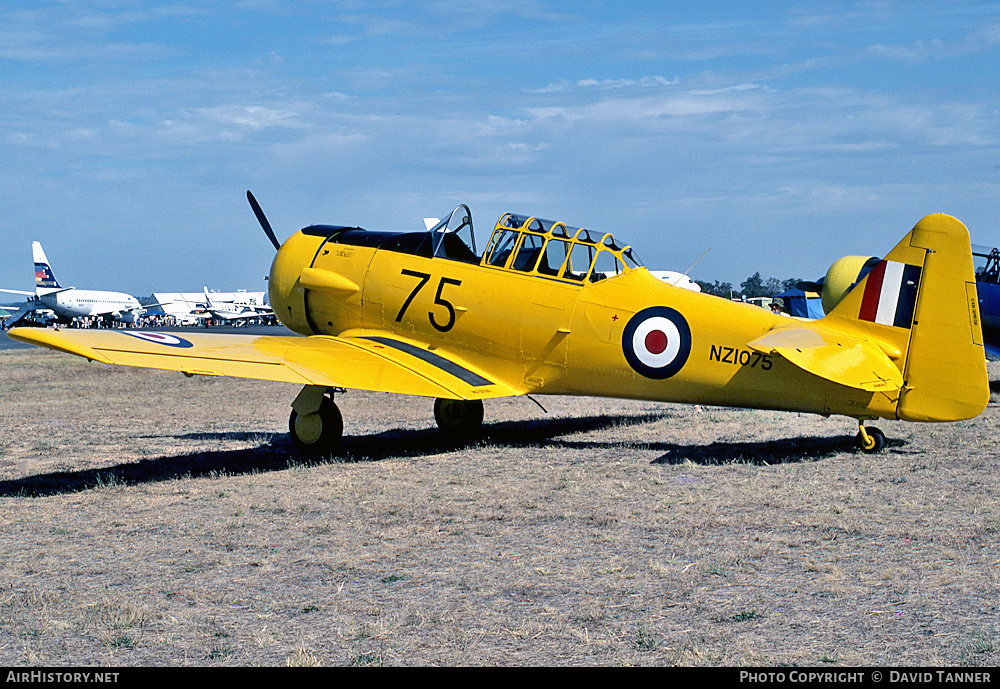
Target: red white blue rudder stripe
<point>890,294</point>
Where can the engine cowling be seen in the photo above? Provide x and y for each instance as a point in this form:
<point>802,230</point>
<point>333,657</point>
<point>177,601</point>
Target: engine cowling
<point>844,274</point>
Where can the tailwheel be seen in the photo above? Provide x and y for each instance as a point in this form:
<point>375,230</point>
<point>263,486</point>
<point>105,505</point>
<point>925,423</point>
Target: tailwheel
<point>317,432</point>
<point>459,418</point>
<point>870,439</point>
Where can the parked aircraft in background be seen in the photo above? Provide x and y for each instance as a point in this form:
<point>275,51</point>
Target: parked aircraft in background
<point>237,310</point>
<point>552,309</point>
<point>68,302</point>
<point>676,279</point>
<point>189,308</point>
<point>987,266</point>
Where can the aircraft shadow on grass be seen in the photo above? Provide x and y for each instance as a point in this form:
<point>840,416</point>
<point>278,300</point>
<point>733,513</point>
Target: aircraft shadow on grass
<point>275,453</point>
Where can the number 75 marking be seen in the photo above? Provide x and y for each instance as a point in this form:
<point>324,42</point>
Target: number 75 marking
<point>438,299</point>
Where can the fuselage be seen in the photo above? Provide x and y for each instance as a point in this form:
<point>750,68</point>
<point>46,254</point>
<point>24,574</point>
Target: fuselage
<point>548,330</point>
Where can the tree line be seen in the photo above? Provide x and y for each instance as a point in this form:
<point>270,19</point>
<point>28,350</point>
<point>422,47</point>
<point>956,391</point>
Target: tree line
<point>753,286</point>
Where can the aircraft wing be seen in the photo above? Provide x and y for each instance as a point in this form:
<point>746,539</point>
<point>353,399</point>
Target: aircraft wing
<point>22,311</point>
<point>368,360</point>
<point>838,357</point>
<point>146,307</point>
<point>17,291</point>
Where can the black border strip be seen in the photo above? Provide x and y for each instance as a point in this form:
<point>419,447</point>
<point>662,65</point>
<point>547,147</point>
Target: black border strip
<point>463,374</point>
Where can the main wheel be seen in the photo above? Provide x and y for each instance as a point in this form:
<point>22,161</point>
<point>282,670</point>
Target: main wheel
<point>317,433</point>
<point>459,418</point>
<point>876,441</point>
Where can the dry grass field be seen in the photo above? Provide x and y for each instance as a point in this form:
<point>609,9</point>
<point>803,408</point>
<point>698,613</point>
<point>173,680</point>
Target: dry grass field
<point>151,519</point>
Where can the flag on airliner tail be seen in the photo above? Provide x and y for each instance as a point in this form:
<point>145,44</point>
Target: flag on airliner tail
<point>44,276</point>
<point>891,294</point>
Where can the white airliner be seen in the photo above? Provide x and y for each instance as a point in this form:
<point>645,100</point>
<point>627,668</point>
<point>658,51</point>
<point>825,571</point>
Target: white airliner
<point>68,302</point>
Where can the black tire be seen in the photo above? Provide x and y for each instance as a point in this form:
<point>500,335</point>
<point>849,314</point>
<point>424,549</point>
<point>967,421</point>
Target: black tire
<point>459,418</point>
<point>877,441</point>
<point>318,433</point>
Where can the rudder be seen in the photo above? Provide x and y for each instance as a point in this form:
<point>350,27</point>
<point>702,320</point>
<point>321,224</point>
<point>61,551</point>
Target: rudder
<point>945,372</point>
<point>921,304</point>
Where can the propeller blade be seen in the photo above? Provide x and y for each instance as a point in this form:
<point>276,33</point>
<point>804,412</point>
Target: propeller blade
<point>807,286</point>
<point>263,221</point>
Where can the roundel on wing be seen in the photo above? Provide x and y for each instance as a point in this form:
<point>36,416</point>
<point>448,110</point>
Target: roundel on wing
<point>656,342</point>
<point>160,338</point>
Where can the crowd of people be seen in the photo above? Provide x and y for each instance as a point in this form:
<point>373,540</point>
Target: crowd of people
<point>150,320</point>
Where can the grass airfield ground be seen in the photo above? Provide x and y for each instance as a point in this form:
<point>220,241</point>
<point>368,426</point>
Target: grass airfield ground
<point>152,519</point>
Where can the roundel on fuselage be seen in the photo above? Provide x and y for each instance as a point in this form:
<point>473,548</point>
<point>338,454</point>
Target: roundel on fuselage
<point>656,342</point>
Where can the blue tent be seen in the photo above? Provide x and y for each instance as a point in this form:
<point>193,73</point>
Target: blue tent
<point>802,304</point>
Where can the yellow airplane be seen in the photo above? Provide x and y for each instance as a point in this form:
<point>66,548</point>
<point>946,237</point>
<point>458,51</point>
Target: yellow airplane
<point>552,309</point>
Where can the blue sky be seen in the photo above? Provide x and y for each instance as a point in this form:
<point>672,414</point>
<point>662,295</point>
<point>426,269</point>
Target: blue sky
<point>780,139</point>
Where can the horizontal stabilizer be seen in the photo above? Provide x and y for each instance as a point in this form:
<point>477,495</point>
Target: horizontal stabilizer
<point>839,358</point>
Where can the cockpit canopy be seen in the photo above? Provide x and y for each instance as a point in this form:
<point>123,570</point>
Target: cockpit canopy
<point>987,264</point>
<point>448,236</point>
<point>555,250</point>
<point>521,243</point>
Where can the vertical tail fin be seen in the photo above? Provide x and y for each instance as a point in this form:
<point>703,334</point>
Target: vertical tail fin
<point>921,303</point>
<point>43,272</point>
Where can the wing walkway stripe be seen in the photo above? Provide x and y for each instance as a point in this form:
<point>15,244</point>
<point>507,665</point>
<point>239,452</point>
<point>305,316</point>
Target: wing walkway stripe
<point>460,372</point>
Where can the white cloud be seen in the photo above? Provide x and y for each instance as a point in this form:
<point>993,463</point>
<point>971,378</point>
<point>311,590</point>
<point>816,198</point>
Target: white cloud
<point>252,116</point>
<point>627,83</point>
<point>982,41</point>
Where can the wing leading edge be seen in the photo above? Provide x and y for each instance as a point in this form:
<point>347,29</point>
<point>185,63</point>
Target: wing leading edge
<point>374,360</point>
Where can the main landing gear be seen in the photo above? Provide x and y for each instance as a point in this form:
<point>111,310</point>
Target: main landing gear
<point>316,425</point>
<point>870,439</point>
<point>458,418</point>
